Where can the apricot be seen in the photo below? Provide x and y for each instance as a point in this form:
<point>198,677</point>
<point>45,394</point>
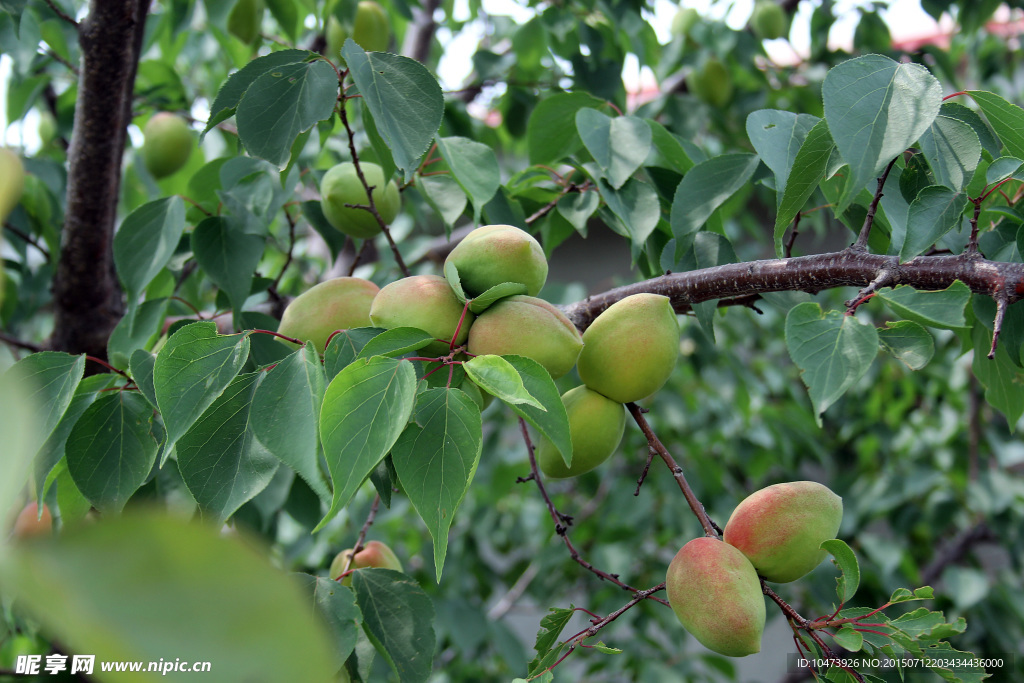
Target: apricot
<point>373,554</point>
<point>29,522</point>
<point>684,20</point>
<point>341,186</point>
<point>167,144</point>
<point>337,304</point>
<point>527,326</point>
<point>769,20</point>
<point>371,29</point>
<point>426,302</point>
<point>779,528</point>
<point>630,350</point>
<point>712,83</point>
<point>493,254</point>
<point>596,424</point>
<point>12,181</point>
<point>245,19</point>
<point>715,593</point>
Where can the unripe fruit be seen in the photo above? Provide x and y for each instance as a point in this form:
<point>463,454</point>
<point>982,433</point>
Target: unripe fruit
<point>12,181</point>
<point>779,528</point>
<point>426,302</point>
<point>167,144</point>
<point>341,186</point>
<point>769,20</point>
<point>630,350</point>
<point>711,83</point>
<point>338,304</point>
<point>684,20</point>
<point>371,29</point>
<point>245,20</point>
<point>47,128</point>
<point>596,424</point>
<point>715,593</point>
<point>527,326</point>
<point>373,554</point>
<point>30,523</point>
<point>493,254</point>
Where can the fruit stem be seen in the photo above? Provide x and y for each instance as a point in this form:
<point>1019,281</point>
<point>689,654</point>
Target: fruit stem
<point>362,535</point>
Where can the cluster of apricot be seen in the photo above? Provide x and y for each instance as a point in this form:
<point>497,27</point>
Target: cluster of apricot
<point>714,586</point>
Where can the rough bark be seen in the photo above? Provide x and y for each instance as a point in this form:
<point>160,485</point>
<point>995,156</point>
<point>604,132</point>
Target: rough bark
<point>87,297</point>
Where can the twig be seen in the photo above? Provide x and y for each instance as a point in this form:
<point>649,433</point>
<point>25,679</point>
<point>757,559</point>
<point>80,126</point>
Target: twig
<point>61,14</point>
<point>20,344</point>
<point>28,239</point>
<point>997,324</point>
<point>793,232</point>
<point>291,247</point>
<point>862,239</point>
<point>362,533</point>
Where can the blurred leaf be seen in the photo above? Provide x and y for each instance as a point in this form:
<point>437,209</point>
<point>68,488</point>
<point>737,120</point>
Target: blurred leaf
<point>337,605</point>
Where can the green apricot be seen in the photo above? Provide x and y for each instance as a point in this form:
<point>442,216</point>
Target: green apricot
<point>712,83</point>
<point>167,144</point>
<point>493,254</point>
<point>245,20</point>
<point>769,20</point>
<point>426,302</point>
<point>341,186</point>
<point>630,350</point>
<point>373,554</point>
<point>715,593</point>
<point>781,527</point>
<point>337,304</point>
<point>596,425</point>
<point>684,20</point>
<point>371,29</point>
<point>12,181</point>
<point>527,326</point>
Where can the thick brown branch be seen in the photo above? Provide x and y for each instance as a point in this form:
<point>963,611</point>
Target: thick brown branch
<point>847,268</point>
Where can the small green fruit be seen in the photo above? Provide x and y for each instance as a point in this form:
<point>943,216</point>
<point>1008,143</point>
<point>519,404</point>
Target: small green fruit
<point>426,302</point>
<point>341,186</point>
<point>371,29</point>
<point>684,20</point>
<point>715,593</point>
<point>712,83</point>
<point>527,326</point>
<point>769,20</point>
<point>245,20</point>
<point>167,144</point>
<point>373,554</point>
<point>493,254</point>
<point>338,304</point>
<point>630,350</point>
<point>47,128</point>
<point>596,425</point>
<point>12,181</point>
<point>781,527</point>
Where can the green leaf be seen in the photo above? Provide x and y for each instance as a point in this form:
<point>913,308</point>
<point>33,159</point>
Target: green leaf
<point>498,377</point>
<point>140,367</point>
<point>399,619</point>
<point>551,420</point>
<point>365,409</point>
<point>547,645</point>
<point>146,241</point>
<point>636,205</point>
<point>495,293</point>
<point>111,450</point>
<point>577,208</point>
<point>669,147</point>
<point>849,578</point>
<point>848,639</point>
<point>548,137</point>
<point>175,587</point>
<point>1005,118</point>
<point>1002,379</point>
<point>876,108</point>
<point>137,330</point>
<point>445,196</point>
<point>286,414</point>
<point>809,168</point>
<point>908,342</point>
<point>777,137</point>
<point>345,346</point>
<point>21,424</point>
<point>832,349</point>
<point>191,370</point>
<point>474,167</point>
<point>619,145</point>
<point>337,605</point>
<point>934,212</point>
<point>404,98</point>
<point>53,377</point>
<point>220,460</point>
<point>282,103</point>
<point>705,188</point>
<point>943,309</point>
<point>228,256</point>
<point>953,151</point>
<point>436,457</point>
<point>396,342</point>
<point>231,93</point>
<point>904,594</point>
<point>710,249</point>
<point>1001,169</point>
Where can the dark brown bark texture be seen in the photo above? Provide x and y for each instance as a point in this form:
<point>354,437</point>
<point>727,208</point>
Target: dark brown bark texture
<point>87,297</point>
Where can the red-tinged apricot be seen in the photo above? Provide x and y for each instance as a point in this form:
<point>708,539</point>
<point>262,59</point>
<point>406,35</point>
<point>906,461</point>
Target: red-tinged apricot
<point>341,185</point>
<point>596,425</point>
<point>527,326</point>
<point>493,254</point>
<point>341,303</point>
<point>426,302</point>
<point>31,523</point>
<point>373,554</point>
<point>781,527</point>
<point>715,593</point>
<point>630,350</point>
